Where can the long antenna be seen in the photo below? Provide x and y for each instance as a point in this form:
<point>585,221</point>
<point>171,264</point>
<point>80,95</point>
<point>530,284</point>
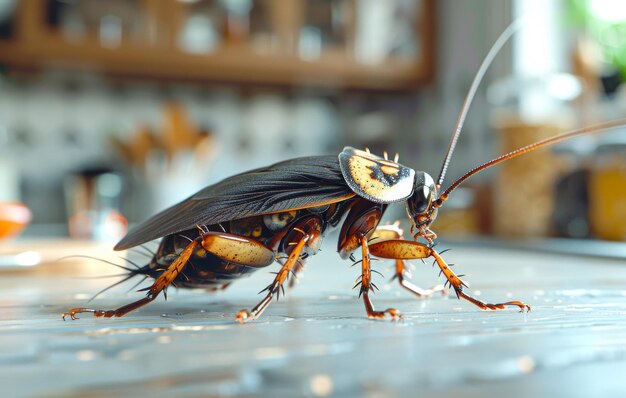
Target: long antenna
<point>504,36</point>
<point>529,148</point>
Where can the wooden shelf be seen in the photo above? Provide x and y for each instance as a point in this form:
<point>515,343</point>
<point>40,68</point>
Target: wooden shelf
<point>39,46</point>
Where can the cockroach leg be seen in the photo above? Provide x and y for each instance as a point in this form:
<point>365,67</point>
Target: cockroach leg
<point>405,250</point>
<point>244,316</point>
<point>274,288</point>
<point>111,313</point>
<point>160,284</point>
<point>399,249</point>
<point>458,285</point>
<point>307,238</point>
<point>394,232</point>
<point>237,249</point>
<point>416,290</point>
<point>297,270</point>
<point>367,286</point>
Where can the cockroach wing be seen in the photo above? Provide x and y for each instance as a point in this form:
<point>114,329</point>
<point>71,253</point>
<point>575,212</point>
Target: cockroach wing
<point>292,184</point>
<point>374,178</point>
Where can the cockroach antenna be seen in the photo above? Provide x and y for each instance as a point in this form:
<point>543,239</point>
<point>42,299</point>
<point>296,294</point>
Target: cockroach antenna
<point>495,49</point>
<point>613,124</point>
<point>504,37</point>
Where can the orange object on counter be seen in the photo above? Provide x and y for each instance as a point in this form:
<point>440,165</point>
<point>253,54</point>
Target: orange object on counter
<point>607,198</point>
<point>14,217</point>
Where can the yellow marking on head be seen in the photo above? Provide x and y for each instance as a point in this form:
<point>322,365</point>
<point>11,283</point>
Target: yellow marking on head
<point>389,170</point>
<point>358,164</point>
<point>361,168</point>
<point>387,163</point>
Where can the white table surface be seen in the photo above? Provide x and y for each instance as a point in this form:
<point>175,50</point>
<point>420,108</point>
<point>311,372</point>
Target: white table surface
<point>318,341</point>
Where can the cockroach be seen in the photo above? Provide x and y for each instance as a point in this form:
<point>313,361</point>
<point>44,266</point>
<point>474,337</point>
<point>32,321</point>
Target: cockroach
<point>281,213</point>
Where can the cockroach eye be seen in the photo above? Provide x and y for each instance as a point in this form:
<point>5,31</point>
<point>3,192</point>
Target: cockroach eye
<point>423,195</point>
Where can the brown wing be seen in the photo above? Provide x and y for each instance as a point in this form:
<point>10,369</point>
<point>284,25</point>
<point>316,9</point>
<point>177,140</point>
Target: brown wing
<point>293,184</point>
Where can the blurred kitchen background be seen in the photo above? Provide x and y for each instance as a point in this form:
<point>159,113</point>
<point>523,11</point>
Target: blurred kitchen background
<point>113,110</point>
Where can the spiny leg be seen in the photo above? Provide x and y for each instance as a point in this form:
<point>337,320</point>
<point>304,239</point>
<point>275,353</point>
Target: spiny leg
<point>275,287</point>
<point>416,290</point>
<point>393,231</point>
<point>367,286</point>
<point>237,249</point>
<point>160,284</point>
<point>405,250</point>
<point>298,269</point>
<point>228,247</point>
<point>457,284</point>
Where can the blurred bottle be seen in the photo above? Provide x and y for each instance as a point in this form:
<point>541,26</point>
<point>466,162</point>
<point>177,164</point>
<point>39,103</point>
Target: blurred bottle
<point>528,109</point>
<point>93,201</point>
<point>524,188</point>
<point>9,174</point>
<point>607,192</point>
<point>237,25</point>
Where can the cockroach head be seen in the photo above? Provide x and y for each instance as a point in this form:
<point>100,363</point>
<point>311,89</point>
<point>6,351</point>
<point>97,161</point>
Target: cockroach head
<point>421,204</point>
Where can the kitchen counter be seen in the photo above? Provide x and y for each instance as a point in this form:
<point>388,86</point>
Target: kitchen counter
<point>317,341</point>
